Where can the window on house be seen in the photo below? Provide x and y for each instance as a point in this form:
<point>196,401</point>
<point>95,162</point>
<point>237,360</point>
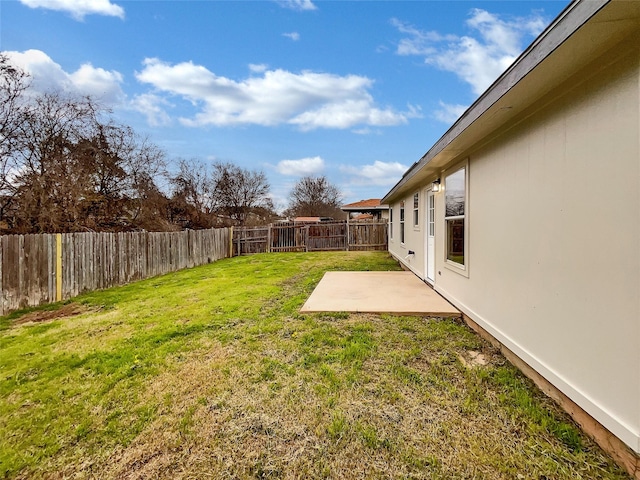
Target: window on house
<point>391,223</point>
<point>402,222</point>
<point>455,215</point>
<point>416,209</point>
<point>432,214</point>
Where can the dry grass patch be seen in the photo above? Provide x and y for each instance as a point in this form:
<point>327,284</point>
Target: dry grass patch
<point>357,397</point>
<point>213,382</point>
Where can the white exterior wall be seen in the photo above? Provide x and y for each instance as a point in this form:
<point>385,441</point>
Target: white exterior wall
<point>554,243</point>
<point>414,236</point>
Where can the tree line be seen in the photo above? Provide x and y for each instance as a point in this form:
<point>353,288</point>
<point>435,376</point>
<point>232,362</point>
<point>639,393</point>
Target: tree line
<point>67,166</point>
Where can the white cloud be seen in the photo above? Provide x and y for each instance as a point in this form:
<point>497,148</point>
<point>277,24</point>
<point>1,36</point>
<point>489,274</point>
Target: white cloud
<point>449,113</point>
<point>379,173</point>
<point>78,8</point>
<point>47,75</point>
<point>308,100</point>
<point>295,36</point>
<point>478,58</point>
<point>418,42</point>
<point>152,106</point>
<point>280,200</point>
<point>301,167</point>
<point>299,5</point>
<point>97,81</point>
<point>345,114</point>
<point>258,67</point>
<point>366,131</point>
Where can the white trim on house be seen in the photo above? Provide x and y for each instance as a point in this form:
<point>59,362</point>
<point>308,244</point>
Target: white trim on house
<point>415,212</point>
<point>429,236</point>
<point>402,222</point>
<point>461,268</point>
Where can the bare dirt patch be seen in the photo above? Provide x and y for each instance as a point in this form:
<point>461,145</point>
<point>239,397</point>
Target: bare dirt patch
<point>473,359</point>
<point>68,310</point>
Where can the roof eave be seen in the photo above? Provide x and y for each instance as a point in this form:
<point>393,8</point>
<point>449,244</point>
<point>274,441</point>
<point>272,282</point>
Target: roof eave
<point>362,209</point>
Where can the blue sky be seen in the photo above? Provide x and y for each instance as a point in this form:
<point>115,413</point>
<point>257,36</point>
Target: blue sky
<point>354,90</point>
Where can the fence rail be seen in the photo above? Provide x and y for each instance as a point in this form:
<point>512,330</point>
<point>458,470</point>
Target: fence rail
<point>296,237</point>
<point>39,269</point>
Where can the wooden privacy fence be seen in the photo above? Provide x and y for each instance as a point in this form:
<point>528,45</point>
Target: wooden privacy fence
<point>39,269</point>
<point>297,237</point>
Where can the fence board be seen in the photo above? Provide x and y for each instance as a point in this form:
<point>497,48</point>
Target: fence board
<point>297,237</point>
<point>99,260</point>
<point>93,261</point>
<point>326,237</point>
<point>368,236</point>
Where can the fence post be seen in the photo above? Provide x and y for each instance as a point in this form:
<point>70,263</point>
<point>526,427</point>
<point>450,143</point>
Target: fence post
<point>2,296</point>
<point>346,242</point>
<point>58,267</point>
<point>268,249</point>
<point>231,241</point>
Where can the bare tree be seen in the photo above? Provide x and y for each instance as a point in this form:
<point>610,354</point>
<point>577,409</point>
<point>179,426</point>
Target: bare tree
<point>102,180</point>
<point>238,192</point>
<point>72,170</point>
<point>144,164</point>
<point>66,166</point>
<point>154,212</point>
<point>46,175</point>
<point>192,197</point>
<point>13,84</point>
<point>315,196</point>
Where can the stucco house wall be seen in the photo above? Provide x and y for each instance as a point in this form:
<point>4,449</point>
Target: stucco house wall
<point>554,244</point>
<point>414,235</point>
<point>552,269</point>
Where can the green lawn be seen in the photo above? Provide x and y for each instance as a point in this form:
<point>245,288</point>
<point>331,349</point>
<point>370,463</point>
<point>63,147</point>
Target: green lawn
<point>213,373</point>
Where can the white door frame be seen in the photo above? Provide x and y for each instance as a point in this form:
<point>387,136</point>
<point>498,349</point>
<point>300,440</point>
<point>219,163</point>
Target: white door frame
<point>429,237</point>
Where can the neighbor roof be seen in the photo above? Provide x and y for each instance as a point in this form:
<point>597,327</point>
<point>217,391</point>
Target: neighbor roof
<point>311,219</point>
<point>370,204</point>
<point>467,130</point>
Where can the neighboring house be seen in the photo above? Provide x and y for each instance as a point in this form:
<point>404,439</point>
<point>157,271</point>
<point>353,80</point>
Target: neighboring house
<point>363,217</point>
<point>526,216</point>
<point>312,219</point>
<point>371,206</point>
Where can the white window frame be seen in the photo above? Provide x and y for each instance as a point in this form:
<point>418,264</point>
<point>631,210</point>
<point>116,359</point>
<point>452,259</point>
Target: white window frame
<point>462,269</point>
<point>402,219</point>
<point>416,211</point>
<point>391,223</point>
<point>430,227</point>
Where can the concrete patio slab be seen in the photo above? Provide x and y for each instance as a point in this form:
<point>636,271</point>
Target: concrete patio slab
<point>377,292</point>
